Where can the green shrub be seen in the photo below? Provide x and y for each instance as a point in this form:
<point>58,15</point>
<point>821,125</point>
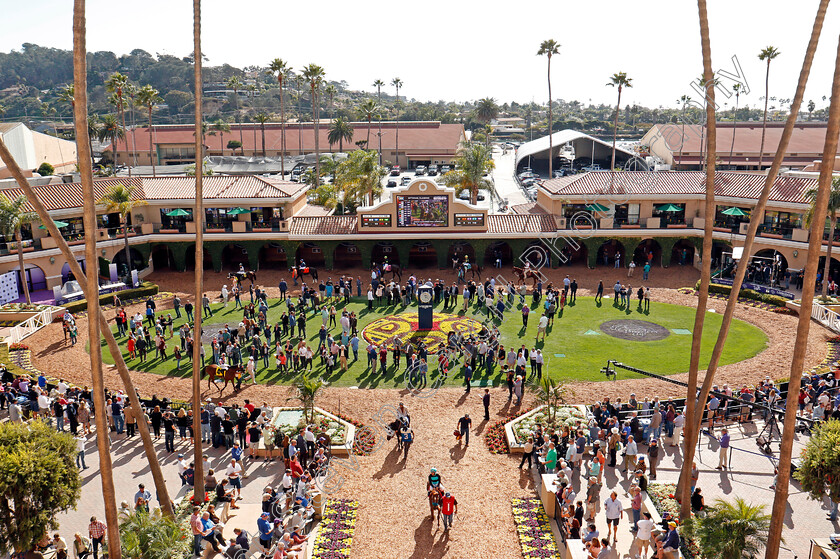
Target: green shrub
<point>146,289</point>
<point>45,170</point>
<point>774,300</point>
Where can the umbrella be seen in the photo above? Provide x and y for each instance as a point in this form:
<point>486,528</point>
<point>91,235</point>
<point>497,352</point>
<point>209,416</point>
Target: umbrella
<point>597,208</point>
<point>237,211</point>
<point>734,211</point>
<point>178,213</point>
<point>670,208</point>
<point>58,224</point>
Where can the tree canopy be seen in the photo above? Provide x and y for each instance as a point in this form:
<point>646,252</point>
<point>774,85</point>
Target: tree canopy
<point>819,467</point>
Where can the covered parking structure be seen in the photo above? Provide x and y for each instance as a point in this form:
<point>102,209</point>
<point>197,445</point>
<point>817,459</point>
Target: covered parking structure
<point>587,150</point>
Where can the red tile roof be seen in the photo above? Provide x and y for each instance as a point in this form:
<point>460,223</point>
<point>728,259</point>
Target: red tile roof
<point>679,183</point>
<point>807,138</point>
<point>529,208</point>
<point>62,196</point>
<point>329,225</point>
<point>514,223</point>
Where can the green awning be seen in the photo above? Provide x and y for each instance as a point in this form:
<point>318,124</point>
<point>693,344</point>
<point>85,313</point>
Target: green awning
<point>237,211</point>
<point>178,213</point>
<point>58,224</point>
<point>597,208</point>
<point>669,208</point>
<point>734,211</point>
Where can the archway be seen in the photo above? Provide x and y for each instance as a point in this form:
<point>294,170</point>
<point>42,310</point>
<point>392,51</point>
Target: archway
<point>683,253</point>
<point>422,255</point>
<point>834,268</point>
<point>189,259</point>
<point>162,257</point>
<point>233,255</point>
<point>576,253</point>
<point>460,250</point>
<point>273,257</point>
<point>501,251</point>
<point>768,266</point>
<point>347,255</point>
<point>382,250</point>
<point>608,251</point>
<point>137,261</point>
<point>311,254</point>
<point>648,251</point>
<point>537,254</point>
<point>67,275</point>
<point>36,279</point>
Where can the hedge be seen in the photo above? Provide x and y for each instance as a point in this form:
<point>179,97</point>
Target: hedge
<point>145,290</point>
<point>774,300</point>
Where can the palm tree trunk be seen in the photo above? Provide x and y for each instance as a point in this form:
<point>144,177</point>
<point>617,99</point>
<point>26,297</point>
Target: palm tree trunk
<point>550,121</point>
<point>397,141</point>
<point>764,123</point>
<point>827,266</point>
<point>282,128</point>
<point>127,249</point>
<point>315,131</point>
<point>262,130</point>
<point>198,218</point>
<point>125,138</point>
<point>103,442</point>
<point>682,139</point>
<point>21,265</point>
<point>684,487</point>
<point>756,219</point>
<point>615,128</point>
<point>367,143</point>
<point>734,129</point>
<point>151,142</point>
<point>780,501</point>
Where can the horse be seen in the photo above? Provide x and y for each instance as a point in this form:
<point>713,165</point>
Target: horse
<point>435,498</point>
<point>241,276</point>
<point>393,269</point>
<point>306,270</point>
<point>526,274</point>
<point>230,375</point>
<point>463,270</point>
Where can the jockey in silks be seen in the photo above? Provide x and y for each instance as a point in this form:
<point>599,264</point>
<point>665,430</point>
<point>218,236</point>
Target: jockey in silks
<point>386,266</point>
<point>466,262</point>
<point>435,481</point>
<point>527,267</point>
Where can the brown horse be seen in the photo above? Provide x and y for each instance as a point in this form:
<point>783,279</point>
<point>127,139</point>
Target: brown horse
<point>230,375</point>
<point>240,276</point>
<point>435,498</point>
<point>523,274</point>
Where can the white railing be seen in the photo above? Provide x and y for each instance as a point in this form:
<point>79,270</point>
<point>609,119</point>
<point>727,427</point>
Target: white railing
<point>825,316</point>
<point>33,324</point>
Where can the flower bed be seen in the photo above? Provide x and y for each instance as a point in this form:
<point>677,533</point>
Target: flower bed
<point>23,307</point>
<point>495,439</point>
<point>533,529</point>
<point>335,534</point>
<point>565,415</point>
<point>322,424</point>
<point>365,438</point>
<point>744,301</point>
<point>662,497</point>
<point>18,347</point>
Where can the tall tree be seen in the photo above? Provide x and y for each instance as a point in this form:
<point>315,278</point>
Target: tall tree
<point>330,92</point>
<point>261,118</point>
<point>111,131</point>
<point>117,84</point>
<point>299,92</point>
<point>314,74</point>
<point>280,67</point>
<point>732,530</point>
<point>549,48</point>
<point>706,264</point>
<point>833,208</point>
<point>472,162</point>
<point>767,54</point>
<point>221,127</point>
<point>359,176</point>
<point>736,89</point>
<point>147,98</point>
<point>66,96</point>
<point>378,84</point>
<point>683,100</point>
<point>236,84</point>
<point>485,111</point>
<point>819,468</point>
<point>620,81</point>
<point>397,83</point>
<point>340,131</point>
<point>368,109</point>
<point>121,199</point>
<point>13,216</point>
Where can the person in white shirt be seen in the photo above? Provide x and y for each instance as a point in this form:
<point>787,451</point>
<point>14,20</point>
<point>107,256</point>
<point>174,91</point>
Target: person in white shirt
<point>62,387</point>
<point>645,530</point>
<point>233,473</point>
<point>182,467</point>
<point>679,423</point>
<point>614,511</point>
<point>251,368</point>
<point>44,404</point>
<point>220,412</point>
<point>543,324</point>
<point>631,451</point>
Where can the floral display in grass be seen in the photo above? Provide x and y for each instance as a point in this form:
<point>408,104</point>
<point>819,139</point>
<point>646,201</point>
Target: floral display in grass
<point>742,300</point>
<point>533,529</point>
<point>663,499</point>
<point>335,534</point>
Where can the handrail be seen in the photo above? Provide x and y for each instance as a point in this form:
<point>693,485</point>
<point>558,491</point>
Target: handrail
<point>825,316</point>
<point>33,324</point>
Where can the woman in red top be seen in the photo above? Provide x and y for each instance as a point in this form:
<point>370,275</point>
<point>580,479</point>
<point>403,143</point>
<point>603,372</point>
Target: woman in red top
<point>131,348</point>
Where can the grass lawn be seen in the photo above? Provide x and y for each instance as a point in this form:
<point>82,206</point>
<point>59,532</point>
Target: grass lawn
<point>575,348</point>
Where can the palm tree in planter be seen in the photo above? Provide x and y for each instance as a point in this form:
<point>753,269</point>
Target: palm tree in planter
<point>122,199</point>
<point>307,390</point>
<point>340,131</point>
<point>13,216</point>
<point>620,81</point>
<point>833,208</point>
<point>552,394</point>
<point>153,535</point>
<point>472,162</point>
<point>731,530</point>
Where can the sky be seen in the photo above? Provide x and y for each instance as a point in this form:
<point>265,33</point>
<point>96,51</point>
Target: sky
<point>462,51</point>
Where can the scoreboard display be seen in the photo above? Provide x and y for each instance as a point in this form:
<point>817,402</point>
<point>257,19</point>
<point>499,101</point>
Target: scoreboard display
<point>469,220</point>
<point>376,220</point>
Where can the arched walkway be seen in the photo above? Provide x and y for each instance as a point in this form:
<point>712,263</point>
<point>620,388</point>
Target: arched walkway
<point>137,261</point>
<point>422,255</point>
<point>67,275</point>
<point>834,268</point>
<point>233,255</point>
<point>537,254</point>
<point>189,259</point>
<point>273,257</point>
<point>162,258</point>
<point>575,254</point>
<point>382,250</point>
<point>36,279</point>
<point>310,253</point>
<point>347,255</point>
<point>459,250</point>
<point>608,251</point>
<point>683,253</point>
<point>768,266</point>
<point>499,250</point>
<point>648,251</point>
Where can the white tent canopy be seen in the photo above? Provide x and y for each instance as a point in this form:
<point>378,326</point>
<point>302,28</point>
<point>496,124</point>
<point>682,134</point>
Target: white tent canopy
<point>584,145</point>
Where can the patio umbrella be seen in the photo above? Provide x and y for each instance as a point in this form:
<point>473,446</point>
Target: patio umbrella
<point>178,213</point>
<point>597,208</point>
<point>669,208</point>
<point>58,224</point>
<point>734,211</point>
<point>237,211</point>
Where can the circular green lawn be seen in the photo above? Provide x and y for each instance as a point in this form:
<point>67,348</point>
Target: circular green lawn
<point>575,347</point>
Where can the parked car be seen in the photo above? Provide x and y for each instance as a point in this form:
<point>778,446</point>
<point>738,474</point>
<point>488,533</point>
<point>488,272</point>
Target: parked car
<point>420,171</point>
<point>404,181</point>
<point>465,195</point>
<point>391,183</point>
<point>395,171</point>
<point>433,170</point>
<point>529,182</point>
<point>445,169</point>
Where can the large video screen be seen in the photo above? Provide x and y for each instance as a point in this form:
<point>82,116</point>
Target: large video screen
<point>422,211</point>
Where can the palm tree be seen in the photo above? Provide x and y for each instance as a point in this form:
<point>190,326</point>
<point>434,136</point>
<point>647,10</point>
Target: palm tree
<point>299,93</point>
<point>280,67</point>
<point>619,80</point>
<point>485,111</point>
<point>13,216</point>
<point>368,109</point>
<point>701,81</point>
<point>67,96</point>
<point>358,176</point>
<point>732,530</point>
<point>110,130</point>
<point>552,394</point>
<point>379,84</point>
<point>549,48</point>
<point>340,131</point>
<point>236,84</point>
<point>261,118</point>
<point>122,199</point>
<point>833,208</point>
<point>330,92</point>
<point>811,107</point>
<point>307,390</point>
<point>684,99</point>
<point>472,162</point>
<point>737,90</point>
<point>221,127</point>
<point>117,85</point>
<point>147,98</point>
<point>397,83</point>
<point>154,536</point>
<point>766,54</point>
<point>314,74</point>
